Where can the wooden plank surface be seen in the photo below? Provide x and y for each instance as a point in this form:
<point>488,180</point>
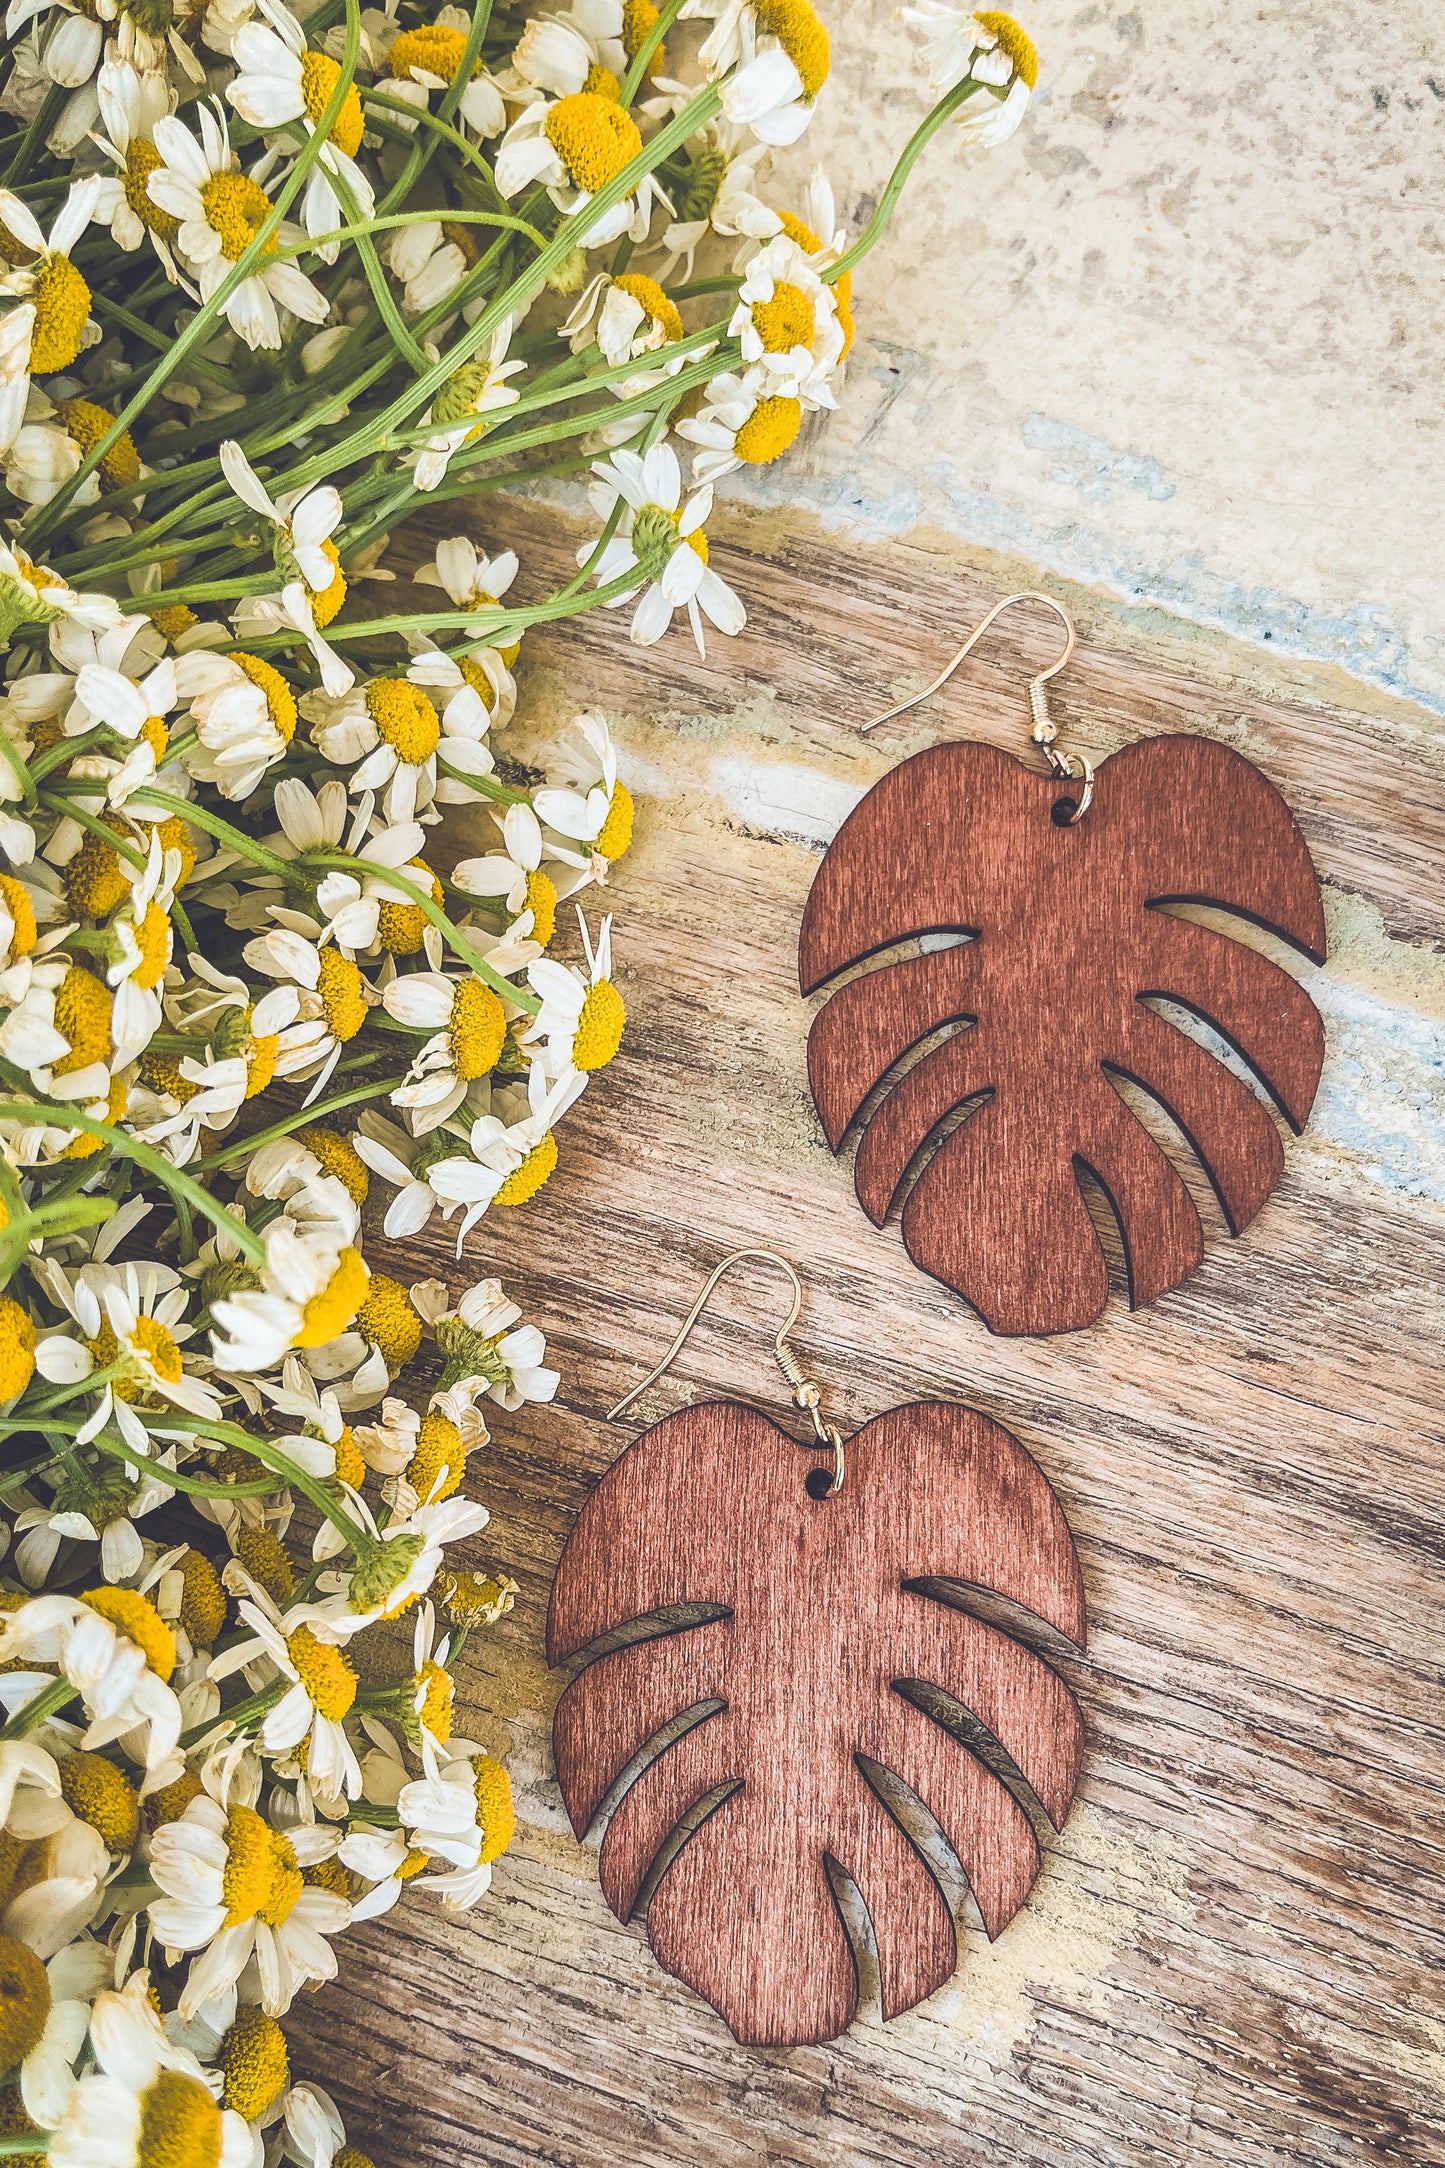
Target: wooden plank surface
<point>1234,1952</point>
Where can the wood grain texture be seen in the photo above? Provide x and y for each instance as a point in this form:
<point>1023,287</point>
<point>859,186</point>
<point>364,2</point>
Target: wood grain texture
<point>1067,942</point>
<point>1234,1956</point>
<point>822,1629</point>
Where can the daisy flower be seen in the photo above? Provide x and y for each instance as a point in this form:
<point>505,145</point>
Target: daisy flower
<point>32,594</point>
<point>131,103</point>
<point>573,146</point>
<point>581,1020</point>
<point>473,582</point>
<point>332,1001</point>
<point>410,1166</point>
<point>279,80</point>
<point>991,48</point>
<point>488,1350</point>
<point>101,1506</point>
<point>583,799</point>
<point>147,2100</point>
<point>321,1692</point>
<point>50,326</point>
<point>581,50</point>
<point>427,59</point>
<point>514,877</point>
<point>774,57</point>
<point>740,425</point>
<point>717,193</point>
<point>634,317</point>
<point>304,521</point>
<point>391,735</point>
<point>469,1029</point>
<point>134,1315</point>
<point>476,388</point>
<point>135,711</point>
<point>311,1290</point>
<point>665,541</point>
<point>117,1652</point>
<point>513,1148</point>
<point>410,1553</point>
<point>244,714</point>
<point>461,1811</point>
<point>786,321</point>
<point>60,1030</point>
<point>232,1891</point>
<point>297,610</point>
<point>220,211</point>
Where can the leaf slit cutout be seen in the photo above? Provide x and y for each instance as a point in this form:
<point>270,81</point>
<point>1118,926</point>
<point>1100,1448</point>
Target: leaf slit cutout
<point>1077,929</point>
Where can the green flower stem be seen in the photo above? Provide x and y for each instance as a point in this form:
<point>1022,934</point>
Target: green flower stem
<point>202,324</point>
<point>46,1703</point>
<point>58,799</point>
<point>235,839</point>
<point>913,150</point>
<point>240,1713</point>
<point>34,1412</point>
<point>299,1120</point>
<point>35,2143</point>
<point>120,1140</point>
<point>500,629</point>
<point>423,148</point>
<point>177,1478</point>
<point>272,1457</point>
<point>667,16</point>
<point>13,761</point>
<point>519,996</point>
<point>381,293</point>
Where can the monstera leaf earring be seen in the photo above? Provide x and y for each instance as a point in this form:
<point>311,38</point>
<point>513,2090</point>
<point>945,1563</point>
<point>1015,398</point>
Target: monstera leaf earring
<point>1061,889</point>
<point>799,1638</point>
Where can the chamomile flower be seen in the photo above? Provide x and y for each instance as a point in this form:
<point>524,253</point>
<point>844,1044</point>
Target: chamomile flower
<point>100,1505</point>
<point>133,1316</point>
<point>992,49</point>
<point>322,1690</point>
<point>461,1811</point>
<point>579,50</point>
<point>572,147</point>
<point>718,189</point>
<point>244,714</point>
<point>60,1030</point>
<point>147,2101</point>
<point>392,735</point>
<point>232,1890</point>
<point>474,582</point>
<point>665,541</point>
<point>136,711</point>
<point>513,876</point>
<point>117,1652</point>
<point>332,1004</point>
<point>469,1028</point>
<point>740,425</point>
<point>220,211</point>
<point>772,57</point>
<point>131,103</point>
<point>400,1159</point>
<point>787,323</point>
<point>476,388</point>
<point>312,1288</point>
<point>513,1145</point>
<point>32,594</point>
<point>427,59</point>
<point>585,803</point>
<point>304,521</point>
<point>49,325</point>
<point>633,318</point>
<point>279,79</point>
<point>490,1352</point>
<point>581,1020</point>
<point>295,610</point>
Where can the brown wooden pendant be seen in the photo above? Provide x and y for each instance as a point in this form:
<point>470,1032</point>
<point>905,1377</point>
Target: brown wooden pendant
<point>815,1632</point>
<point>1069,942</point>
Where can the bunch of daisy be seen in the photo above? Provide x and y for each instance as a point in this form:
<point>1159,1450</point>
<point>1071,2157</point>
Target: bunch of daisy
<point>298,958</point>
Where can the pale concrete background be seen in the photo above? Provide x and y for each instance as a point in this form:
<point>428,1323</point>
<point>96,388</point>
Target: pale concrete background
<point>1180,337</point>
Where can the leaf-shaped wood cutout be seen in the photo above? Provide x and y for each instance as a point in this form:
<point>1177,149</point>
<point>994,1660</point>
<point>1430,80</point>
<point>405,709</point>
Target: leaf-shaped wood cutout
<point>1068,943</point>
<point>709,1508</point>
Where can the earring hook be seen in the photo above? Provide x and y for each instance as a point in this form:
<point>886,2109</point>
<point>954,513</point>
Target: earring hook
<point>1043,732</point>
<point>806,1393</point>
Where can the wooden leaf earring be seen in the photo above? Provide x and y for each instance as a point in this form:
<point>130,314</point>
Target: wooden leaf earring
<point>802,1620</point>
<point>1060,886</point>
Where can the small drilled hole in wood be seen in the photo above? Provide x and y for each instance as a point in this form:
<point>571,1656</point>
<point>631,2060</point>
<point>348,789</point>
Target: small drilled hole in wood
<point>819,1483</point>
<point>1062,811</point>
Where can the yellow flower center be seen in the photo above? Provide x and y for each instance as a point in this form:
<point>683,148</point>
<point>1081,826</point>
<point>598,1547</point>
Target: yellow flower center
<point>24,2000</point>
<point>593,137</point>
<point>439,1462</point>
<point>810,243</point>
<point>254,2063</point>
<point>599,1027</point>
<point>162,1073</point>
<point>155,941</point>
<point>17,1348</point>
<point>542,903</point>
<point>463,238</point>
<point>326,1673</point>
<point>95,1790</point>
<point>16,899</point>
<point>481,600</point>
<point>401,927</point>
<point>180,2124</point>
<point>350,1467</point>
<point>82,1016</point>
<point>141,160</point>
<point>525,1181</point>
<point>438,1691</point>
<point>351,2156</point>
<point>802,36</point>
<point>95,881</point>
<point>1014,40</point>
<point>264,1557</point>
<point>478,1029</point>
<point>261,1057</point>
<point>340,992</point>
<point>616,831</point>
<point>326,601</point>
<point>496,1814</point>
<point>433,49</point>
<point>390,1320</point>
<point>697,543</point>
<point>788,320</point>
<point>171,1801</point>
<point>173,619</point>
<point>85,424</point>
<point>62,310</point>
<point>477,677</point>
<point>176,835</point>
<point>768,431</point>
<point>137,1618</point>
<point>152,1340</point>
<point>650,295</point>
<point>320,75</point>
<point>601,82</point>
<point>475,1596</point>
<point>156,732</point>
<point>117,1099</point>
<point>339,1156</point>
<point>203,1600</point>
<point>236,208</point>
<point>638,17</point>
<point>280,700</point>
<point>327,1315</point>
<point>404,718</point>
<point>262,1880</point>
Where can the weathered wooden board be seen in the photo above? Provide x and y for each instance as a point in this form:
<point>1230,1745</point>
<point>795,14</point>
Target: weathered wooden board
<point>1235,1953</point>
